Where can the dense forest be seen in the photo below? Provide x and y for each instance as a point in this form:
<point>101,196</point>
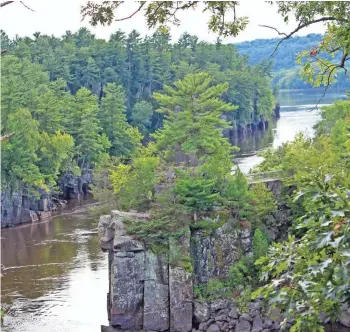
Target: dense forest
<point>286,71</point>
<point>70,100</point>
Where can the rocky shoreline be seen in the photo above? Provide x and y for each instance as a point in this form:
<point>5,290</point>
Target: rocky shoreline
<point>21,206</point>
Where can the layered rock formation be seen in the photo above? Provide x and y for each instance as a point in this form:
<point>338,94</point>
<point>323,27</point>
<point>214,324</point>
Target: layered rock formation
<point>154,292</point>
<point>20,206</point>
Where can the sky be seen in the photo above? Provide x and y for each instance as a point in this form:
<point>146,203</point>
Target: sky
<point>56,17</point>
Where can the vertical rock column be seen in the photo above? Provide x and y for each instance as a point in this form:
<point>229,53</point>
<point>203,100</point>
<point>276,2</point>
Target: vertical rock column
<point>180,287</point>
<point>156,293</point>
<point>127,271</point>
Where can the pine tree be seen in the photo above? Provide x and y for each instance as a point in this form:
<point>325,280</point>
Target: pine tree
<point>84,126</point>
<point>112,116</point>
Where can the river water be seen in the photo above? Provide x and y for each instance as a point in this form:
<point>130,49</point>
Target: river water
<point>55,277</point>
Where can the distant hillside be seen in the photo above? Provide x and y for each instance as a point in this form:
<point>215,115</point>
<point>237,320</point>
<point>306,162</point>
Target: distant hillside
<point>285,55</point>
<point>285,69</point>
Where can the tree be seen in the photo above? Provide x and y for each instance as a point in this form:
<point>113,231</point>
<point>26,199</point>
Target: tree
<point>309,275</point>
<point>316,68</point>
<point>193,123</point>
<point>141,116</point>
<point>112,115</point>
<point>19,153</point>
<point>84,126</point>
<point>263,203</point>
<point>161,14</point>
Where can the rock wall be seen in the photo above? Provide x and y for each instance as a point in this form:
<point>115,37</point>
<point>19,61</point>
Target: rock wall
<point>19,206</point>
<point>154,292</point>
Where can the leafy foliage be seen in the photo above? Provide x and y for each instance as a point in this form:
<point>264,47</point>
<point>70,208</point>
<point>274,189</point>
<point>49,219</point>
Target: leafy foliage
<point>310,274</point>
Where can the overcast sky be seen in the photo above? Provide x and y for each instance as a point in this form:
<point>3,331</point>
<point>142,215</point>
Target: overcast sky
<point>56,17</point>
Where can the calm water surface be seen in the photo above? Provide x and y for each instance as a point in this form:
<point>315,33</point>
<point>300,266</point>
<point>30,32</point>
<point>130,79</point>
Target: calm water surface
<point>55,276</point>
<point>298,114</point>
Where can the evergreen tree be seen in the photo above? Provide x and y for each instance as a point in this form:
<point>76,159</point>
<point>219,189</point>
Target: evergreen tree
<point>112,116</point>
<point>84,126</point>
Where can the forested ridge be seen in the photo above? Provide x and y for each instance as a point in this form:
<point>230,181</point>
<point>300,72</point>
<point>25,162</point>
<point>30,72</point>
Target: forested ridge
<point>286,71</point>
<point>70,100</point>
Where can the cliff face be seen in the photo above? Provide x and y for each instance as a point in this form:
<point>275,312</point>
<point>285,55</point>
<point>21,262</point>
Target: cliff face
<point>154,292</point>
<point>20,206</point>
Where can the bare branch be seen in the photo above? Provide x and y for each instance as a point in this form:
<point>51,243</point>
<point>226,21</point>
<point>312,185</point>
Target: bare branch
<point>6,137</point>
<point>5,3</point>
<point>298,28</point>
<point>26,6</point>
<point>267,26</point>
<point>132,14</point>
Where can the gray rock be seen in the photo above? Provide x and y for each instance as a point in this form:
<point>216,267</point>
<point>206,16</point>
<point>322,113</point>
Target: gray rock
<point>225,327</point>
<point>232,323</point>
<point>156,306</point>
<point>266,330</point>
<point>194,330</point>
<point>345,316</point>
<point>208,322</point>
<point>233,313</point>
<point>267,323</point>
<point>223,312</point>
<point>213,328</point>
<point>214,254</point>
<point>257,324</point>
<point>254,308</point>
<point>180,290</point>
<point>243,326</point>
<point>276,326</point>
<point>127,289</point>
<point>201,311</point>
<point>222,318</point>
<point>246,317</point>
<point>202,326</point>
<point>219,304</point>
<point>246,239</point>
<point>220,323</point>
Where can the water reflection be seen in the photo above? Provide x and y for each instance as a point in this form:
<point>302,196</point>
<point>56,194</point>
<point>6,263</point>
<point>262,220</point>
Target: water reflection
<point>55,274</point>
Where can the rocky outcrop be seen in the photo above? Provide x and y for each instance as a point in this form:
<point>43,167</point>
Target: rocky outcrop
<point>214,253</point>
<point>20,206</point>
<point>72,186</point>
<point>154,292</point>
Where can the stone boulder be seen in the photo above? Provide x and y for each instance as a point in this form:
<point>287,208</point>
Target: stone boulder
<point>201,312</point>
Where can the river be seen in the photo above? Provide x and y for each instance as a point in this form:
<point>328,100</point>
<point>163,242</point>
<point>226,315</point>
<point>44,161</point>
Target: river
<point>55,277</point>
<point>298,114</point>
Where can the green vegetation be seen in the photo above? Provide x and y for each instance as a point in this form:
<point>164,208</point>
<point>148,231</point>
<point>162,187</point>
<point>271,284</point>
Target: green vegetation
<point>308,273</point>
<point>286,72</point>
<point>67,102</point>
<point>77,102</point>
<point>321,63</point>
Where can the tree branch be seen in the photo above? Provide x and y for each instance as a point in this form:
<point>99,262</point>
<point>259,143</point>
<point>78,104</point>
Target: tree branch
<point>26,6</point>
<point>298,28</point>
<point>270,27</point>
<point>6,137</point>
<point>3,4</point>
<point>132,14</point>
